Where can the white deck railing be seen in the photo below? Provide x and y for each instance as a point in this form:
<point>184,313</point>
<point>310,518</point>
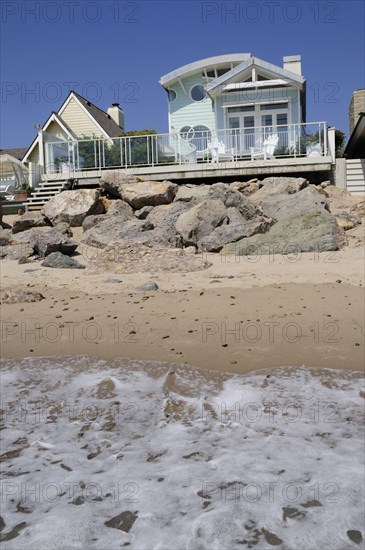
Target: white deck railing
<point>294,140</point>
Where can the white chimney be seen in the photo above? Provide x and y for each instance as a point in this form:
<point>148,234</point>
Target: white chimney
<point>116,113</point>
<point>293,63</point>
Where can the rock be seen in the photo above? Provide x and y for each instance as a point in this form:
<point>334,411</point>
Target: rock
<point>123,522</point>
<point>325,184</point>
<point>143,212</point>
<point>312,231</point>
<point>112,180</point>
<point>29,220</point>
<point>240,185</point>
<point>137,192</point>
<point>16,251</point>
<point>277,186</point>
<point>46,242</point>
<point>190,250</point>
<point>64,229</point>
<point>111,230</point>
<point>192,193</point>
<point>92,221</point>
<point>147,287</point>
<point>346,220</point>
<point>200,220</point>
<point>72,207</point>
<point>232,198</point>
<point>112,281</point>
<point>106,203</point>
<point>286,205</point>
<point>233,232</point>
<point>5,237</point>
<point>164,218</point>
<point>18,295</point>
<point>120,208</point>
<point>341,200</point>
<point>60,261</point>
<point>252,188</point>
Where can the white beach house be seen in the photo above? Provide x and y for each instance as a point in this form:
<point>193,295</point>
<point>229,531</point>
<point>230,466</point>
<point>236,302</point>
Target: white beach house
<point>237,99</point>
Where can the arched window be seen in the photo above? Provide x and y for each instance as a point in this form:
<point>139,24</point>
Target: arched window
<point>198,135</point>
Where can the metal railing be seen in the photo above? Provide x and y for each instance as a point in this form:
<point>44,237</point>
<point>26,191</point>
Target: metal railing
<point>293,140</point>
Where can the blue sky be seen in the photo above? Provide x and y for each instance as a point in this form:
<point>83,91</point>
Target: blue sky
<point>114,50</point>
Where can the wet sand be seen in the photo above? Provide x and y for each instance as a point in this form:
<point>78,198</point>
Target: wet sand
<point>236,316</point>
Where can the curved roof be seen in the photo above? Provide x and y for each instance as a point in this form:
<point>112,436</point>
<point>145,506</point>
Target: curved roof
<point>191,68</point>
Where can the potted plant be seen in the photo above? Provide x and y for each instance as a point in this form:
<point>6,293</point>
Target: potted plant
<point>23,192</point>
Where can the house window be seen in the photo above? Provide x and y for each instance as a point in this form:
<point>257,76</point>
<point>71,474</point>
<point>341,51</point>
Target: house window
<point>273,106</point>
<point>198,93</point>
<point>241,109</point>
<point>171,95</point>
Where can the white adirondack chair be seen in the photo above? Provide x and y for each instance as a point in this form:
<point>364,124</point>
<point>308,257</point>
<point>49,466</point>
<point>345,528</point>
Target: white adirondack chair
<point>219,152</point>
<point>267,149</point>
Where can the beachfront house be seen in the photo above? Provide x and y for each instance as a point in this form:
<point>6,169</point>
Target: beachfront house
<point>239,102</point>
<point>58,147</point>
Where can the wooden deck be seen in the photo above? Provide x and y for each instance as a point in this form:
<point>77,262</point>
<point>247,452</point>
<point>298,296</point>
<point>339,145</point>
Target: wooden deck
<point>202,171</point>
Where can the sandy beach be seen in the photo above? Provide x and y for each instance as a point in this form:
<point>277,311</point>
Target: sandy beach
<point>240,314</point>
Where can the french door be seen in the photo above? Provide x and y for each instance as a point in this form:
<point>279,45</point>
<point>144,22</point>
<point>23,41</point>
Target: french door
<point>249,126</point>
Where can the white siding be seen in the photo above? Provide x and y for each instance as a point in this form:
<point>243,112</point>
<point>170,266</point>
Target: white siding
<point>186,112</point>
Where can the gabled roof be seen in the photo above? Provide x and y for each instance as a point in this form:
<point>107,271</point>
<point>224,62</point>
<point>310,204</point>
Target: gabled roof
<point>234,74</point>
<point>17,153</point>
<point>109,126</point>
<point>53,117</point>
<point>187,70</point>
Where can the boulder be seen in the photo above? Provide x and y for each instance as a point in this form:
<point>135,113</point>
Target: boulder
<point>72,207</point>
<point>46,242</point>
<point>233,232</point>
<point>112,181</point>
<point>200,220</point>
<point>29,220</point>
<point>18,295</point>
<point>5,237</point>
<point>233,198</point>
<point>143,212</point>
<point>164,217</point>
<point>111,230</point>
<point>286,205</point>
<point>120,208</point>
<point>16,251</point>
<point>137,192</point>
<point>341,200</point>
<point>347,220</point>
<point>312,231</point>
<point>91,221</point>
<point>192,193</point>
<point>64,229</point>
<point>61,261</point>
<point>278,185</point>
